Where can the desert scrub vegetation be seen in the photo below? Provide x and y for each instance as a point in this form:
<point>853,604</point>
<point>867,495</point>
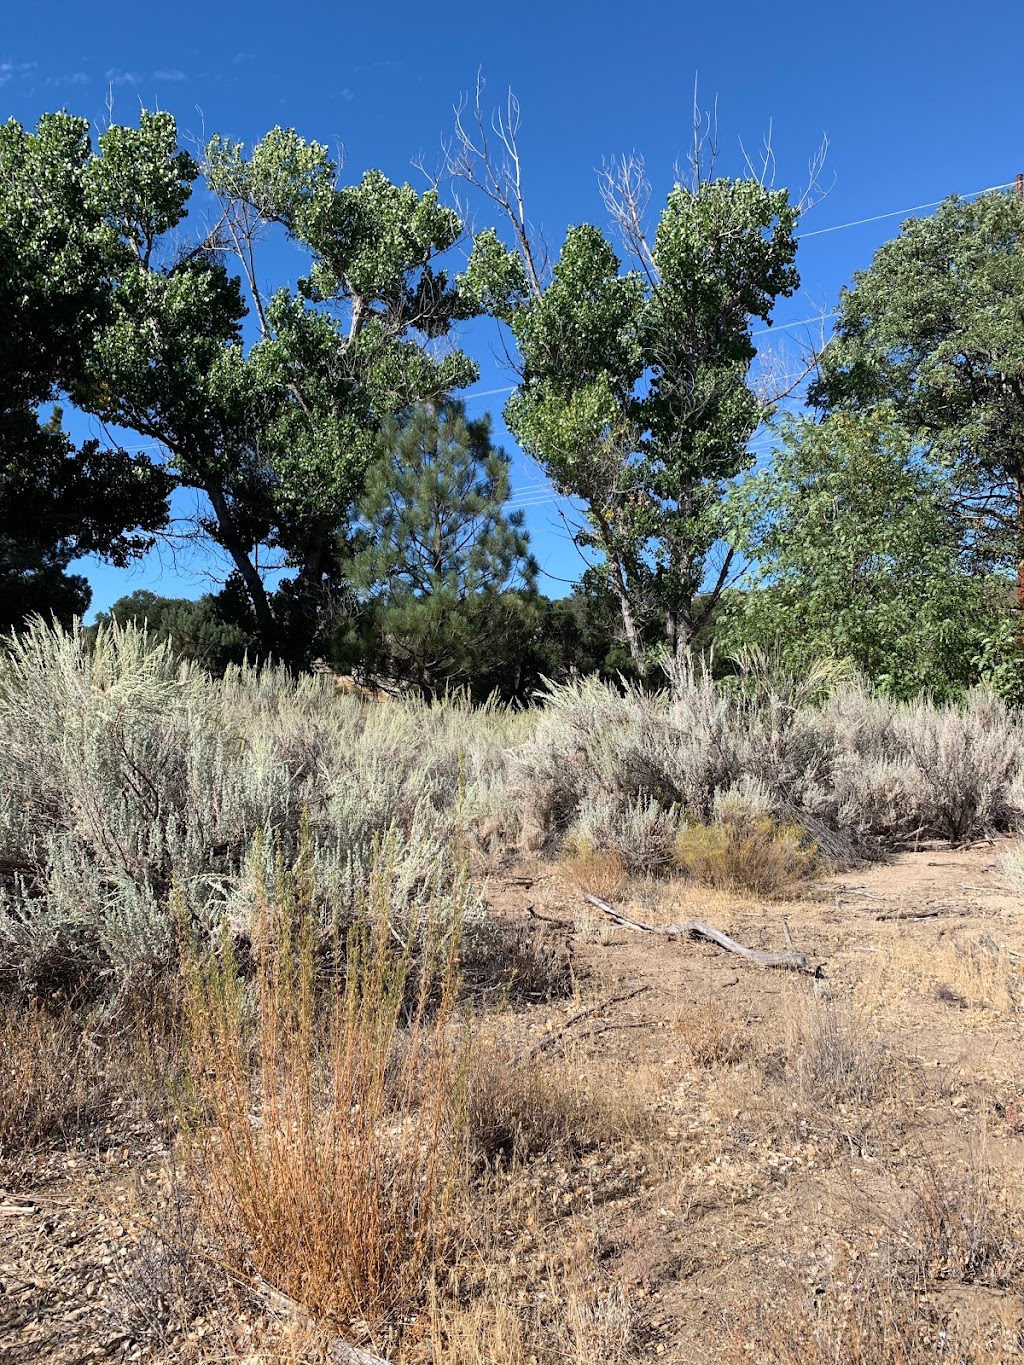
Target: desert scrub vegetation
<point>126,776</point>
<point>758,854</point>
<point>855,772</point>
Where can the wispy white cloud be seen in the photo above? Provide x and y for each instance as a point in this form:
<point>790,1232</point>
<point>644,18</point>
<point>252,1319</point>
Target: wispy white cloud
<point>173,75</point>
<point>115,76</point>
<point>346,94</point>
<point>9,70</point>
<point>72,78</point>
<point>241,57</point>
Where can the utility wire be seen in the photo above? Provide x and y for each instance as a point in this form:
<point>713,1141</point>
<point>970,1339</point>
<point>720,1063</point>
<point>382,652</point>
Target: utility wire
<point>895,213</point>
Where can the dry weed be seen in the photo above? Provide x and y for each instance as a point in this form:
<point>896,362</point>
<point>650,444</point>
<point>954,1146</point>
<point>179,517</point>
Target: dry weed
<point>326,1143</point>
<point>970,974</point>
<point>521,1109</point>
<point>963,1225</point>
<point>601,872</point>
<point>885,1299</point>
<point>713,1039</point>
<point>69,1072</point>
<point>562,1309</point>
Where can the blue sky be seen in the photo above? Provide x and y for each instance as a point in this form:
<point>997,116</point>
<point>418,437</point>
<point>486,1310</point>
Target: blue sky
<point>918,101</point>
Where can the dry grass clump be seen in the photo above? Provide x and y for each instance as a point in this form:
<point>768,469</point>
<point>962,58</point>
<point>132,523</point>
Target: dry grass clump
<point>572,1313</point>
<point>54,1082</point>
<point>880,1300</point>
<point>514,963</point>
<point>712,1038</point>
<point>819,1074</point>
<point>964,1225</point>
<point>837,1058</point>
<point>1011,866</point>
<point>760,855</point>
<point>966,973</point>
<point>70,1075</point>
<point>519,1109</point>
<point>601,872</point>
<point>327,1115</point>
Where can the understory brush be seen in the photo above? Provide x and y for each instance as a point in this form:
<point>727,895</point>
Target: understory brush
<point>760,855</point>
<point>853,771</point>
<point>325,1119</point>
<point>126,776</point>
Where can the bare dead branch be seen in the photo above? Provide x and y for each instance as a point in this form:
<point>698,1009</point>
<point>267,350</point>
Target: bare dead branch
<point>626,194</point>
<point>484,154</point>
<point>553,1036</point>
<point>791,960</point>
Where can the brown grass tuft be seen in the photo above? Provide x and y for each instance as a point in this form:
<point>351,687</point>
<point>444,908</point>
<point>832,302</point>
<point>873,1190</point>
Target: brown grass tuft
<point>713,1039</point>
<point>601,872</point>
<point>519,1110</point>
<point>326,1145</point>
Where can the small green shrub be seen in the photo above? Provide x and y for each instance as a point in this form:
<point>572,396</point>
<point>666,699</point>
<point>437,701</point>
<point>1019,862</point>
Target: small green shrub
<point>758,854</point>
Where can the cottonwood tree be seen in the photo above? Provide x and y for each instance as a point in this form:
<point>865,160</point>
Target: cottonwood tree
<point>57,500</point>
<point>275,435</point>
<point>860,556</point>
<point>635,392</point>
<point>934,330</point>
<point>440,562</point>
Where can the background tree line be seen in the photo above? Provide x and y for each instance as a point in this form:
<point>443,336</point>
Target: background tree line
<point>319,428</point>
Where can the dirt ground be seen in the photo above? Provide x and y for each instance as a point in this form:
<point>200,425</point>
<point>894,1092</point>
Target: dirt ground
<point>776,1129</point>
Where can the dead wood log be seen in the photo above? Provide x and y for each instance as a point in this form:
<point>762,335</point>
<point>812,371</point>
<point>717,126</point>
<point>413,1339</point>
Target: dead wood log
<point>338,1349</point>
<point>695,928</point>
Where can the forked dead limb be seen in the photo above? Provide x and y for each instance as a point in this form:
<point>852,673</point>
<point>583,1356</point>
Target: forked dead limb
<point>792,959</point>
<point>555,1034</point>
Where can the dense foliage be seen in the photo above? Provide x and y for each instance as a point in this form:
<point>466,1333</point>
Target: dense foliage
<point>367,520</point>
<point>861,555</point>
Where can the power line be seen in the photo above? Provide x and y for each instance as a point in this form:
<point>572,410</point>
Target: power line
<point>914,208</point>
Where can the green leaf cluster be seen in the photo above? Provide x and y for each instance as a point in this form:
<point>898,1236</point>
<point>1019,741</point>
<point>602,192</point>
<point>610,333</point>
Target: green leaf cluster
<point>860,557</point>
<point>635,395</point>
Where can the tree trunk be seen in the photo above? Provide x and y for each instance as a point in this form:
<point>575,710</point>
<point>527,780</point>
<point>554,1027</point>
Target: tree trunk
<point>248,573</point>
<point>633,640</point>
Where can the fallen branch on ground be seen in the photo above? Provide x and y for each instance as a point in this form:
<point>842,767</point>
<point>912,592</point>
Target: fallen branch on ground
<point>555,1034</point>
<point>695,928</point>
<point>340,1351</point>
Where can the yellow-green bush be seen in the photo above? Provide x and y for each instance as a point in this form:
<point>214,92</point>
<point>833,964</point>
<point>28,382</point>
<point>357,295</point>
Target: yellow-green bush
<point>756,854</point>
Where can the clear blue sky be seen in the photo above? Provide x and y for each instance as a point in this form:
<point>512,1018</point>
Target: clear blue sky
<point>919,100</point>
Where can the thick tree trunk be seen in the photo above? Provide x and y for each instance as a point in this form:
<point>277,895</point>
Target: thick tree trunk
<point>621,590</point>
<point>247,571</point>
<point>629,625</point>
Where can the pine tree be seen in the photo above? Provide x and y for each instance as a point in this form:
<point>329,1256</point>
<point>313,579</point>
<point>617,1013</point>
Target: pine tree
<point>438,562</point>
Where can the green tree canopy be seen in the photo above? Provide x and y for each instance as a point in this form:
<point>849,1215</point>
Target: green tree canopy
<point>57,501</point>
<point>934,329</point>
<point>860,556</point>
<point>201,630</point>
<point>439,561</point>
<point>275,431</point>
<point>635,393</point>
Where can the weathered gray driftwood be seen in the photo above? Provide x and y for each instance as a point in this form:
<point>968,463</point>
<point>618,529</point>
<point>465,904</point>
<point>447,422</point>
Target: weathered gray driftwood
<point>791,959</point>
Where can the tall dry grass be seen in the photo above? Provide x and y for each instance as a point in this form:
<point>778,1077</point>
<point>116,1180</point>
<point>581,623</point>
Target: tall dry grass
<point>326,1123</point>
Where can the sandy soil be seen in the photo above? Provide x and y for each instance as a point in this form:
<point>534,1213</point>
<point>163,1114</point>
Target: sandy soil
<point>778,1126</point>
